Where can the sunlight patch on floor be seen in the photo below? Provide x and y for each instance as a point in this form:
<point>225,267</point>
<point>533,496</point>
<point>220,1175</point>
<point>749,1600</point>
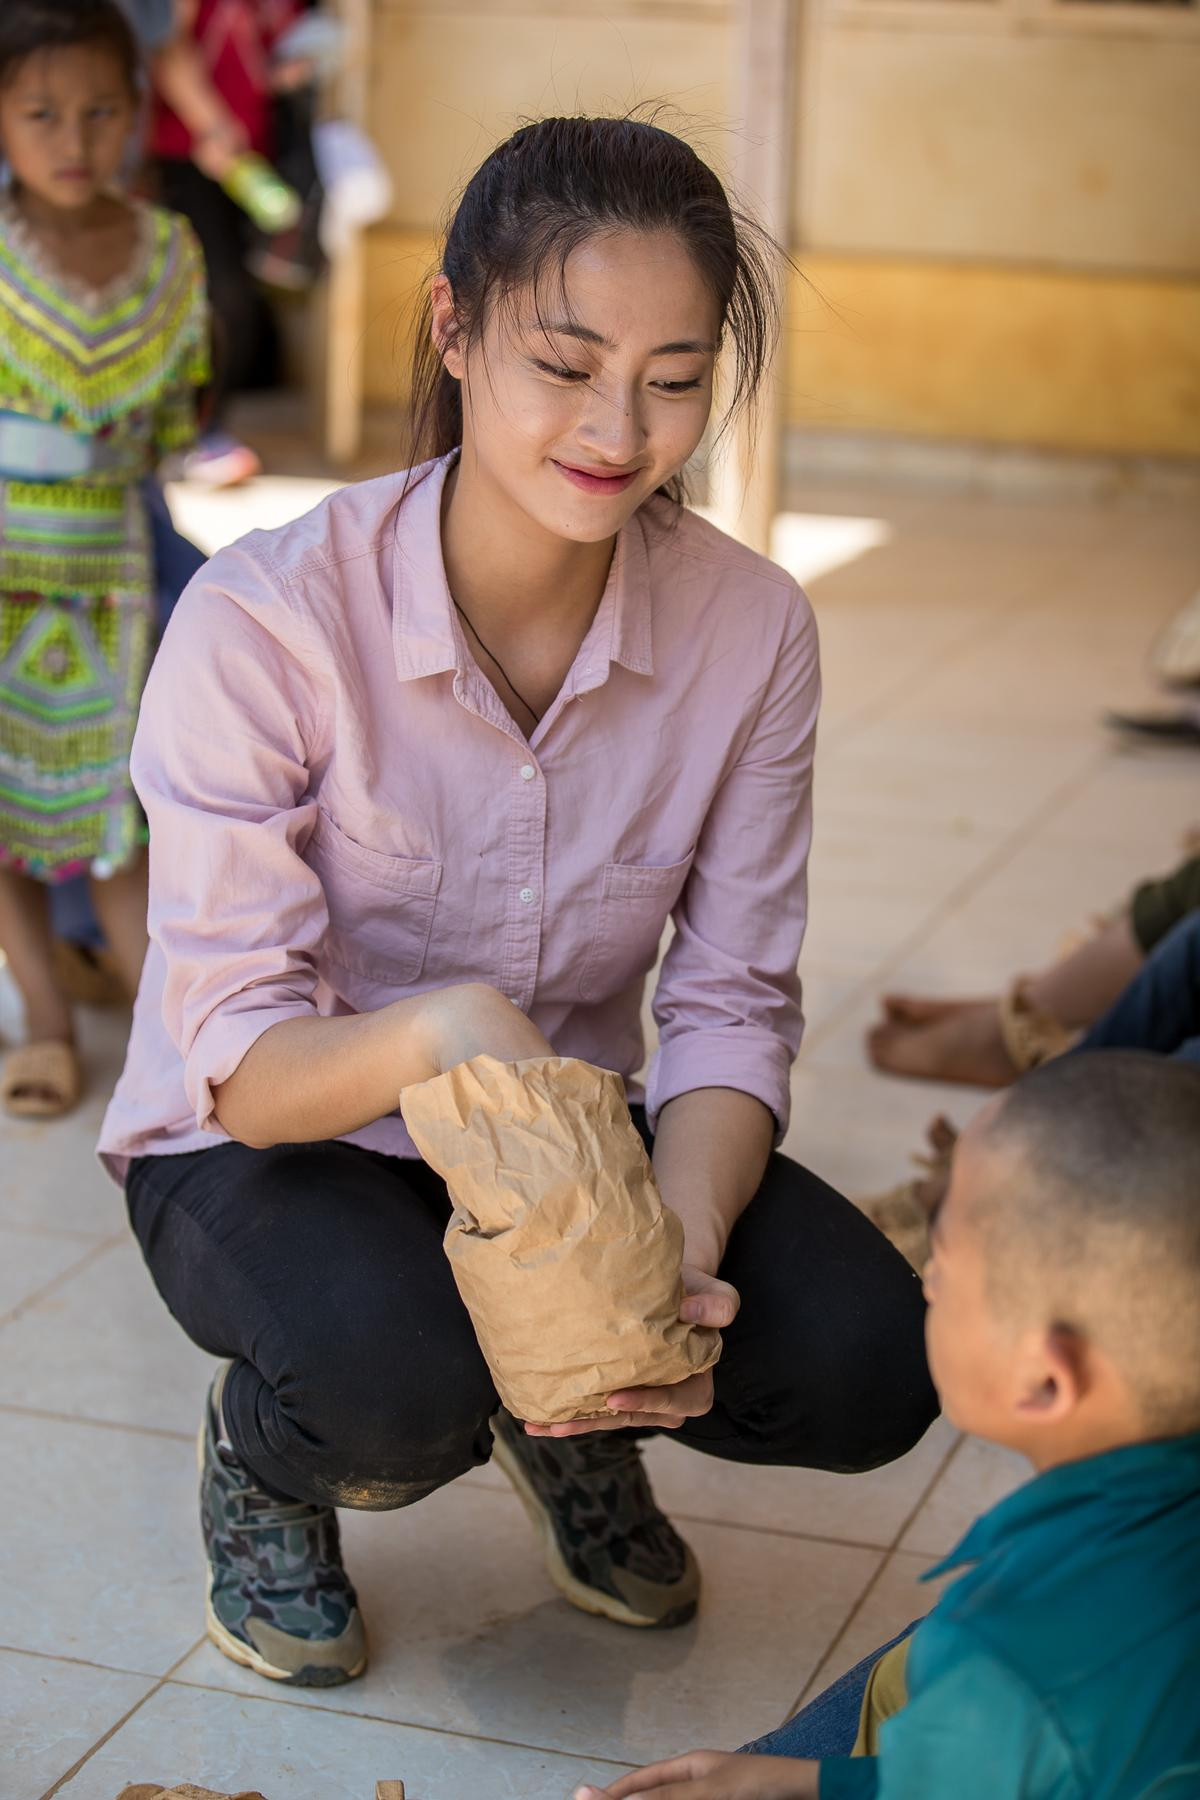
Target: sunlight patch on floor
<point>212,517</point>
<point>811,544</point>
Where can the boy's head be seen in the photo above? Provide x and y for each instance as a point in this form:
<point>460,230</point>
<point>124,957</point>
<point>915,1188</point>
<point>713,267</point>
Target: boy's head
<point>1064,1274</point>
<point>69,74</point>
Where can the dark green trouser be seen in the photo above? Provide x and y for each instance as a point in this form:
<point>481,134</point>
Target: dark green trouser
<point>1158,905</point>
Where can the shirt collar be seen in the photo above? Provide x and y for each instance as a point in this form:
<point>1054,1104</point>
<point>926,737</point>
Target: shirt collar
<point>424,640</point>
<point>1134,1479</point>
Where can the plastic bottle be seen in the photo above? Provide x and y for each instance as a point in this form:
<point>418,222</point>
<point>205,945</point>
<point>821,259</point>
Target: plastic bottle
<point>264,196</point>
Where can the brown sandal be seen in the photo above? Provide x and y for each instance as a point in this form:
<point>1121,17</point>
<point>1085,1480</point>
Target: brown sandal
<point>42,1080</point>
<point>903,1213</point>
<point>185,1790</point>
<point>1031,1037</point>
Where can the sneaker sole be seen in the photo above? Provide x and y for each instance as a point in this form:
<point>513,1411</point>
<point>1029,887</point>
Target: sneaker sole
<point>587,1599</point>
<point>240,1652</point>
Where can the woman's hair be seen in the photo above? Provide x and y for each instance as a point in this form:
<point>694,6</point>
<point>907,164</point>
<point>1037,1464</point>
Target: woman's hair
<point>548,189</point>
<point>30,26</point>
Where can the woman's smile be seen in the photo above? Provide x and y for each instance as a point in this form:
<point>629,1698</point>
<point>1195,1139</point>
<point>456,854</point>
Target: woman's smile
<point>595,481</point>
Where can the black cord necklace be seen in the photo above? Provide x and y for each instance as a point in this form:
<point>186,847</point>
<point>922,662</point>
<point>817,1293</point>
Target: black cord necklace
<point>534,714</point>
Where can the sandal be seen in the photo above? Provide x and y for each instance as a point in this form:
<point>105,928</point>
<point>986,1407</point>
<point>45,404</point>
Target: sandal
<point>903,1213</point>
<point>1031,1037</point>
<point>42,1080</point>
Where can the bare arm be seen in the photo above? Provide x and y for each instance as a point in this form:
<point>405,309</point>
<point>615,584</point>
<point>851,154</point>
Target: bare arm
<point>181,76</point>
<point>709,1157</point>
<point>310,1078</point>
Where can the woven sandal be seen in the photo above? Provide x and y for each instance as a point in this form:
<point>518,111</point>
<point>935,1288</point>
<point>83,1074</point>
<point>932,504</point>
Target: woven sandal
<point>903,1212</point>
<point>185,1790</point>
<point>1031,1037</point>
<point>41,1081</point>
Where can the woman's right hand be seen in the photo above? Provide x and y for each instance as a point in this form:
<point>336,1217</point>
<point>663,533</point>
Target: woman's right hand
<point>458,1023</point>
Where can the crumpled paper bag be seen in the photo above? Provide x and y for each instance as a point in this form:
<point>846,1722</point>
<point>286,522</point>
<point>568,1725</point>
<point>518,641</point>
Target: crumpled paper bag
<point>564,1254</point>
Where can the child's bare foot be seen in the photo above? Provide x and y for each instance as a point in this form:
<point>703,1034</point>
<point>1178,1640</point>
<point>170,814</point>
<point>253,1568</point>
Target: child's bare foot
<point>951,1041</point>
<point>917,1009</point>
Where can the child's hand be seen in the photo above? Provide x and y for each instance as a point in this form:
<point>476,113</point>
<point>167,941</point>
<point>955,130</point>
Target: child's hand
<point>714,1775</point>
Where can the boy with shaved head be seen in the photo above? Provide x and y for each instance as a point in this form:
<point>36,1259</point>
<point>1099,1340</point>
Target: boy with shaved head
<point>1063,1322</point>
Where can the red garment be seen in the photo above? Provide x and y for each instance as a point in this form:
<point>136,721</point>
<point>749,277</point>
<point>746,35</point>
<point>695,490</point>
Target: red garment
<point>236,38</point>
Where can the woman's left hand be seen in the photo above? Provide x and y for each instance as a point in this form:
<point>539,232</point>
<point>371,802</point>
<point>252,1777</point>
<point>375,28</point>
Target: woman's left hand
<point>715,1775</point>
<point>707,1301</point>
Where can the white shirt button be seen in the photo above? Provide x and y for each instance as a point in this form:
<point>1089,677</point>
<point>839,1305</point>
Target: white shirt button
<point>527,896</point>
<point>527,772</point>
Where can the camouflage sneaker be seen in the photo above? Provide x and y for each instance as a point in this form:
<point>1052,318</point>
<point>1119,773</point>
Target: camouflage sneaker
<point>607,1546</point>
<point>279,1600</point>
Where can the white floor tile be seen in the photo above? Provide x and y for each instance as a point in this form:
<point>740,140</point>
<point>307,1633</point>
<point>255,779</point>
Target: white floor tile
<point>825,993</point>
<point>976,1478</point>
<point>957,780</point>
<point>1139,795</point>
<point>232,1742</point>
<point>103,1346</point>
<point>31,1259</point>
<point>102,1558</point>
<point>51,1714</point>
<point>49,1176</point>
<point>467,1634</point>
<point>897,1598</point>
<point>859,1509</point>
<point>857,1129</point>
<point>853,930</point>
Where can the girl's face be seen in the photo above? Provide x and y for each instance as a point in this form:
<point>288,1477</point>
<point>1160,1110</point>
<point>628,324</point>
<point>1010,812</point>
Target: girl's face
<point>579,416</point>
<point>65,119</point>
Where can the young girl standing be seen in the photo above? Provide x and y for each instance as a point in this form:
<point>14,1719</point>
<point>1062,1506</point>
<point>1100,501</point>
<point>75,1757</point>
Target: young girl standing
<point>103,340</point>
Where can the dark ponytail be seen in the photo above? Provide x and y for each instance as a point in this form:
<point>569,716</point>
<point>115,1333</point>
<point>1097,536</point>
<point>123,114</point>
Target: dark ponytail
<point>546,190</point>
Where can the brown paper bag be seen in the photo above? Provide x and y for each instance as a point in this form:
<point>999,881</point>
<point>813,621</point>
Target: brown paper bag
<point>565,1256</point>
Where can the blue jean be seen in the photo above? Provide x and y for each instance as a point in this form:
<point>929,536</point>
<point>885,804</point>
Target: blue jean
<point>1160,1009</point>
<point>828,1725</point>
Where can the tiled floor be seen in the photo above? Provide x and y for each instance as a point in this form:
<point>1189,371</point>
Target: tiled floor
<point>970,811</point>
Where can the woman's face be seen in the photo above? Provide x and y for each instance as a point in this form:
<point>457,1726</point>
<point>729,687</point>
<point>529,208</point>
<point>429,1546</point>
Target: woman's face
<point>577,417</point>
<point>65,119</point>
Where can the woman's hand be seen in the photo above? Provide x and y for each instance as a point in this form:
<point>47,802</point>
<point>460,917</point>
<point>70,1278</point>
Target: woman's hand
<point>707,1301</point>
<point>715,1775</point>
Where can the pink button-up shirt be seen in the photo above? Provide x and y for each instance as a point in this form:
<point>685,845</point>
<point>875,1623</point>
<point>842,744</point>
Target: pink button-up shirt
<point>342,811</point>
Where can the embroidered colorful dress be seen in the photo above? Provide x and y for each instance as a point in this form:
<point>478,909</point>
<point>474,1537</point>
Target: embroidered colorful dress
<point>96,386</point>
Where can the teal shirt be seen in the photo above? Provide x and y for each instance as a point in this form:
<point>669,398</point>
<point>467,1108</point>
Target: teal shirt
<point>1065,1664</point>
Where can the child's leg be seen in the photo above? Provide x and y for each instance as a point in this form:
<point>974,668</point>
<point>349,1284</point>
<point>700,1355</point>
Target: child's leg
<point>1077,989</point>
<point>830,1724</point>
<point>26,940</point>
<point>1160,1008</point>
<point>120,904</point>
<point>963,1040</point>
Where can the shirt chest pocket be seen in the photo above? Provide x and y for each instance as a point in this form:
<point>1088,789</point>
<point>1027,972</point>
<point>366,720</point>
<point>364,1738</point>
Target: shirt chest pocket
<point>635,904</point>
<point>380,906</point>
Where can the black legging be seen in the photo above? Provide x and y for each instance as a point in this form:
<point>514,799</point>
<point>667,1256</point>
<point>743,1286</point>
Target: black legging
<point>357,1380</point>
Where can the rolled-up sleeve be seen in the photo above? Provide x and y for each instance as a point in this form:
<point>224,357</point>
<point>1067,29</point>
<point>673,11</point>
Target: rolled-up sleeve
<point>728,1003</point>
<point>221,765</point>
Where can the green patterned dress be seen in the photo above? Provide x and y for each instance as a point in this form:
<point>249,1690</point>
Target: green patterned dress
<point>96,386</point>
